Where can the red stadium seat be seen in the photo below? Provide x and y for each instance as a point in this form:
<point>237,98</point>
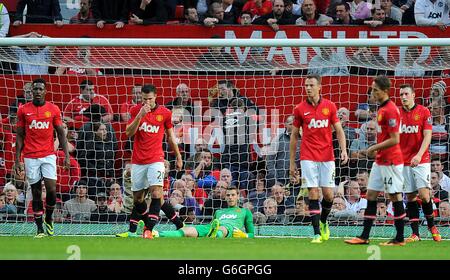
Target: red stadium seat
<point>179,12</point>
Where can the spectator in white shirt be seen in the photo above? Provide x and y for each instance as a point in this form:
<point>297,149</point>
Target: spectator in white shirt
<point>4,21</point>
<point>444,180</point>
<point>432,12</point>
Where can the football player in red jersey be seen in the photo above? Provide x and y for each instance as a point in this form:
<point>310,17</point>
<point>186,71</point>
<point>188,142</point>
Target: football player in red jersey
<point>316,116</point>
<point>35,125</point>
<point>148,124</point>
<point>387,171</point>
<point>415,140</point>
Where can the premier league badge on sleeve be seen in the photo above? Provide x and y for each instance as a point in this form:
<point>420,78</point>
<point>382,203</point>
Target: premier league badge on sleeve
<point>392,122</point>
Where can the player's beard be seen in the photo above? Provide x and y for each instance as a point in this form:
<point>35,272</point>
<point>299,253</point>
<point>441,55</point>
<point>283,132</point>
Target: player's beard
<point>38,102</point>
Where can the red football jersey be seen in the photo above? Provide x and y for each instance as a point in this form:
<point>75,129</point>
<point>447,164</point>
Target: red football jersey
<point>316,143</point>
<point>126,107</point>
<point>9,149</point>
<point>414,122</point>
<point>76,107</point>
<point>388,122</point>
<point>66,178</point>
<point>39,123</point>
<point>148,140</point>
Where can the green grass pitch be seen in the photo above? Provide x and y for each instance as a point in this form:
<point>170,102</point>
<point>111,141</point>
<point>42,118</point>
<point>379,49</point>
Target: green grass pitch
<point>108,248</point>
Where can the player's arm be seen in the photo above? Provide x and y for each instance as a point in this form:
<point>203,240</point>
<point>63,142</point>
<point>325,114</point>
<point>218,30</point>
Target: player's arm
<point>394,139</point>
<point>249,227</point>
<point>64,145</point>
<point>132,128</point>
<point>20,136</point>
<point>292,150</point>
<point>423,147</point>
<point>340,134</point>
<point>173,145</point>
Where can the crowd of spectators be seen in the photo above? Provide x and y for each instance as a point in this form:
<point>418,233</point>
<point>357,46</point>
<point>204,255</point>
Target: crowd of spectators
<point>217,12</point>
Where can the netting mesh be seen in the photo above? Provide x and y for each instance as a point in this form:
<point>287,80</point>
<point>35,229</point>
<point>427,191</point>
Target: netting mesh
<point>231,109</point>
<point>399,59</point>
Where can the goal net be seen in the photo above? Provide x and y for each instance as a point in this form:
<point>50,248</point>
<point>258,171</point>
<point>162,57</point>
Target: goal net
<point>231,102</point>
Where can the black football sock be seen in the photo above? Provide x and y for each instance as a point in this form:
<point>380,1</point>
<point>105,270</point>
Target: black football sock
<point>412,208</point>
<point>326,208</point>
<point>399,220</point>
<point>427,208</point>
<point>369,216</point>
<point>314,210</point>
<point>171,215</point>
<point>153,213</point>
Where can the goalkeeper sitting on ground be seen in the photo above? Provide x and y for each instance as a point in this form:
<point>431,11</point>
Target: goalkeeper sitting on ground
<point>227,223</point>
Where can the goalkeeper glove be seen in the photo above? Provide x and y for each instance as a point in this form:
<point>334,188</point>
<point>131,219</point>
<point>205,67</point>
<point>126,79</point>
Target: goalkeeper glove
<point>237,233</point>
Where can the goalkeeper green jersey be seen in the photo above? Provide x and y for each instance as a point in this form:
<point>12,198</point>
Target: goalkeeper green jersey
<point>237,217</point>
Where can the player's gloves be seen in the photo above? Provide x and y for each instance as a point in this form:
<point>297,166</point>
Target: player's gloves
<point>237,233</point>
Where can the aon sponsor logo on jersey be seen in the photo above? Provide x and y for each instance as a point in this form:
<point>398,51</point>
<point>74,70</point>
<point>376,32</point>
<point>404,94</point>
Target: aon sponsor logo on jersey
<point>39,125</point>
<point>318,123</point>
<point>149,128</point>
<point>410,128</point>
<point>228,216</point>
<point>435,15</point>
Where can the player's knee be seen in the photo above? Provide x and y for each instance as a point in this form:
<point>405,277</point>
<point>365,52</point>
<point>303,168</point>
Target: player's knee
<point>313,193</point>
<point>372,195</point>
<point>156,192</point>
<point>411,196</point>
<point>224,230</point>
<point>328,196</point>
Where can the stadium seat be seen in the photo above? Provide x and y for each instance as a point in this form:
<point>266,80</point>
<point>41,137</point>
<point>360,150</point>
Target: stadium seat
<point>179,12</point>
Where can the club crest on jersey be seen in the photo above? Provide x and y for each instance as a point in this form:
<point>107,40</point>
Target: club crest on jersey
<point>47,114</point>
<point>149,128</point>
<point>39,125</point>
<point>416,117</point>
<point>325,111</point>
<point>318,123</point>
<point>228,216</point>
<point>159,118</point>
<point>410,128</point>
<point>380,117</point>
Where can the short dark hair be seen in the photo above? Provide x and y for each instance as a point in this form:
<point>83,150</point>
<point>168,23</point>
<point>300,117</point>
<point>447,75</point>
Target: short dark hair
<point>147,88</point>
<point>228,83</point>
<point>39,81</point>
<point>315,76</point>
<point>96,126</point>
<point>345,4</point>
<point>82,182</point>
<point>232,187</point>
<point>383,82</point>
<point>186,10</point>
<point>247,12</point>
<point>85,83</point>
<point>436,158</point>
<point>407,86</point>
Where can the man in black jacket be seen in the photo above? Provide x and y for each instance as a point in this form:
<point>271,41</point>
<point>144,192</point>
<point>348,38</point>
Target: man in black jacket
<point>110,11</point>
<point>148,12</point>
<point>39,11</point>
<point>277,17</point>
